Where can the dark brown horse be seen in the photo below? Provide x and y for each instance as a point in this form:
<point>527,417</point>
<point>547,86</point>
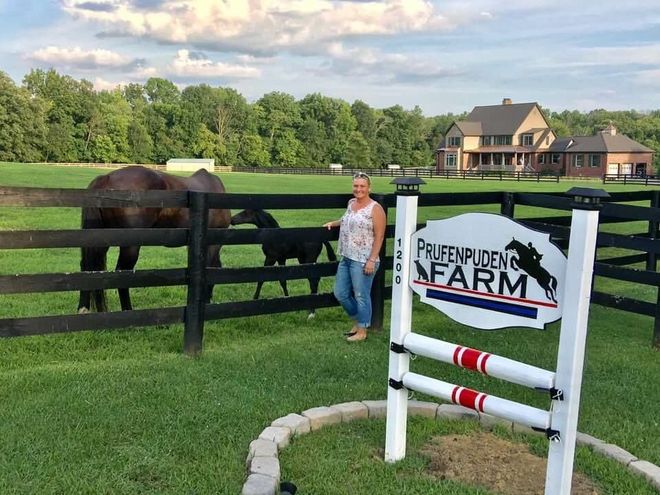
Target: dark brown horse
<point>136,178</point>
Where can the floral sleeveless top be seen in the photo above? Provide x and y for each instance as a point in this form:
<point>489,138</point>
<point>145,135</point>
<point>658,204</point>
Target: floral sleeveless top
<point>356,233</point>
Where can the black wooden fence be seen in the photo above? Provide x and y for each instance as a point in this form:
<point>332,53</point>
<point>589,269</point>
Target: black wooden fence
<point>195,276</point>
<point>636,180</point>
<point>424,172</point>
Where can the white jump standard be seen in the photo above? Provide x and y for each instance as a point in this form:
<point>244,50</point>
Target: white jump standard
<point>490,272</point>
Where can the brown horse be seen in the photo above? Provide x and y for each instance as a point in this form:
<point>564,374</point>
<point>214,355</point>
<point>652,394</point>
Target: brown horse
<point>136,178</point>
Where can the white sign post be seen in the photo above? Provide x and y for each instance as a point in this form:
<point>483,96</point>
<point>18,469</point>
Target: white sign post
<point>401,316</point>
<point>572,339</point>
<point>490,272</point>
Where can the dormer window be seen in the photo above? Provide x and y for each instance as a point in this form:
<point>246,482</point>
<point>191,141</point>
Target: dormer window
<point>454,141</point>
<point>527,139</point>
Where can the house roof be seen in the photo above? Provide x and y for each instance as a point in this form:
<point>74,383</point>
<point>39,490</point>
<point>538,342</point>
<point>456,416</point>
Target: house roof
<point>500,149</point>
<point>191,160</point>
<point>500,119</point>
<point>469,128</point>
<point>600,143</point>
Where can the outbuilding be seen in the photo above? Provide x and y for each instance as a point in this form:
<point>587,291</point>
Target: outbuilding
<point>190,164</point>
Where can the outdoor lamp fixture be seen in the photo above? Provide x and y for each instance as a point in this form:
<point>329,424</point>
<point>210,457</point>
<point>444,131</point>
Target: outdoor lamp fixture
<point>586,198</point>
<point>407,186</point>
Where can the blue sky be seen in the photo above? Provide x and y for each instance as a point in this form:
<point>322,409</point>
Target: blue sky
<point>444,56</point>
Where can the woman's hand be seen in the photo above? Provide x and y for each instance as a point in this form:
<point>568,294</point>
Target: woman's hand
<point>369,267</point>
<point>330,225</point>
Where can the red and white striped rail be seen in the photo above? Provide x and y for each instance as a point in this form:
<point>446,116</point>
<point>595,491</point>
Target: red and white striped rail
<point>480,402</point>
<point>481,362</point>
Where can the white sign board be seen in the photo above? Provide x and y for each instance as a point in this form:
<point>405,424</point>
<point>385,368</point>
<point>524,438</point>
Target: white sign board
<point>488,271</point>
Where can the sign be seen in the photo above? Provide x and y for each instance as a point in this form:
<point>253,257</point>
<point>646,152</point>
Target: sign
<point>488,271</point>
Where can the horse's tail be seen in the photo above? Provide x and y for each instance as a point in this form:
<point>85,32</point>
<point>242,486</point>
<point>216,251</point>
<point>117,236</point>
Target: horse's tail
<point>331,252</point>
<point>93,259</point>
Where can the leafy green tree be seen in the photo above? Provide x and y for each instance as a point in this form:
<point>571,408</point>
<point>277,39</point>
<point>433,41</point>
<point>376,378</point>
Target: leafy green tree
<point>22,123</point>
<point>287,150</point>
<point>358,153</point>
<point>206,144</point>
<point>139,142</point>
<point>254,151</point>
<point>279,111</point>
<point>160,90</point>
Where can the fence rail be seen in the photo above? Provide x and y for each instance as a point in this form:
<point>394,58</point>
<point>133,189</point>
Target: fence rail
<point>639,180</point>
<point>428,173</point>
<point>646,246</point>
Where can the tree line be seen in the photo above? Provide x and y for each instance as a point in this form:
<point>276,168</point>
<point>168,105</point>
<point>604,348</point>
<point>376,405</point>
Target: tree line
<point>53,117</point>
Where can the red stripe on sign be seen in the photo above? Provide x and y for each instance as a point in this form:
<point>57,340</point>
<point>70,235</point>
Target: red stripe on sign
<point>482,399</point>
<point>483,363</point>
<point>453,394</point>
<point>470,358</point>
<point>468,398</point>
<point>457,351</point>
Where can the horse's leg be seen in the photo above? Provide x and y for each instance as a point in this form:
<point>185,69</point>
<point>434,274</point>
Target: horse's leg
<point>92,259</point>
<point>128,257</point>
<point>267,262</point>
<point>552,285</point>
<point>212,261</point>
<point>282,262</point>
<point>314,289</point>
<point>311,257</point>
<point>514,265</point>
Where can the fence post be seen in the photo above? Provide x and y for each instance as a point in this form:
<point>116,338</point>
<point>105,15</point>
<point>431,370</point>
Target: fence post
<point>196,274</point>
<point>651,258</point>
<point>652,264</point>
<point>378,287</point>
<point>407,192</point>
<point>508,204</point>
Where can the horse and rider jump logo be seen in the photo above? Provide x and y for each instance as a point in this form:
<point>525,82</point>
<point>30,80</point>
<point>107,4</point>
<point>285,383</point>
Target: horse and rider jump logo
<point>488,271</point>
<point>528,259</point>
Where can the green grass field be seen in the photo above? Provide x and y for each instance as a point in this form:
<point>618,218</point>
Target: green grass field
<point>124,412</point>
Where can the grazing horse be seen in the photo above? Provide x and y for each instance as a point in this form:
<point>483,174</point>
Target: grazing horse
<point>278,251</point>
<point>137,178</point>
<point>529,260</point>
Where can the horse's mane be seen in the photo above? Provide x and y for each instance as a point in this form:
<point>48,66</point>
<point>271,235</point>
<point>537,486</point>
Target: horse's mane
<point>265,219</point>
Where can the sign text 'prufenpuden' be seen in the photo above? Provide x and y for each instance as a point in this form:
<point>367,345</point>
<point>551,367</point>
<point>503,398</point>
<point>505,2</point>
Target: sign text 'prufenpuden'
<point>488,271</point>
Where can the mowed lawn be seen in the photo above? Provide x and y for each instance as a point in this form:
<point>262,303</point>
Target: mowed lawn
<point>124,412</point>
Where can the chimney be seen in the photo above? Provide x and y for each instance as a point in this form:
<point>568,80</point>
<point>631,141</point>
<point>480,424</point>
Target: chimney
<point>610,129</point>
<point>506,101</point>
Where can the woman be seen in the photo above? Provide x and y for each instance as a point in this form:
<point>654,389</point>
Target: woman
<point>361,234</point>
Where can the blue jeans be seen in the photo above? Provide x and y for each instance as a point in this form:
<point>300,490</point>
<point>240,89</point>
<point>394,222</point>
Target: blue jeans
<point>353,290</point>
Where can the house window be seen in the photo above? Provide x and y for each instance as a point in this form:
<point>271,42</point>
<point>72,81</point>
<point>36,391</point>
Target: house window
<point>450,160</point>
<point>527,139</point>
<point>594,160</point>
<point>578,161</point>
<point>454,141</point>
<point>556,158</point>
<point>496,140</point>
<point>541,159</point>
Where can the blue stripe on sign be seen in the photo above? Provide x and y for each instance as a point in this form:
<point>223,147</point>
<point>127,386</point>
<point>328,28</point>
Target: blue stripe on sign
<point>500,307</point>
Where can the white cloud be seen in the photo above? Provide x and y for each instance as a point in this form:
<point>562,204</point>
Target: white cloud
<point>77,57</point>
<point>649,78</point>
<point>196,67</point>
<point>269,25</point>
<point>101,84</point>
<point>374,63</point>
<point>618,55</point>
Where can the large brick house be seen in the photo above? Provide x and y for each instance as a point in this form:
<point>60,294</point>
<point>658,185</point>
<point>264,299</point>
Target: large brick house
<point>517,137</point>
